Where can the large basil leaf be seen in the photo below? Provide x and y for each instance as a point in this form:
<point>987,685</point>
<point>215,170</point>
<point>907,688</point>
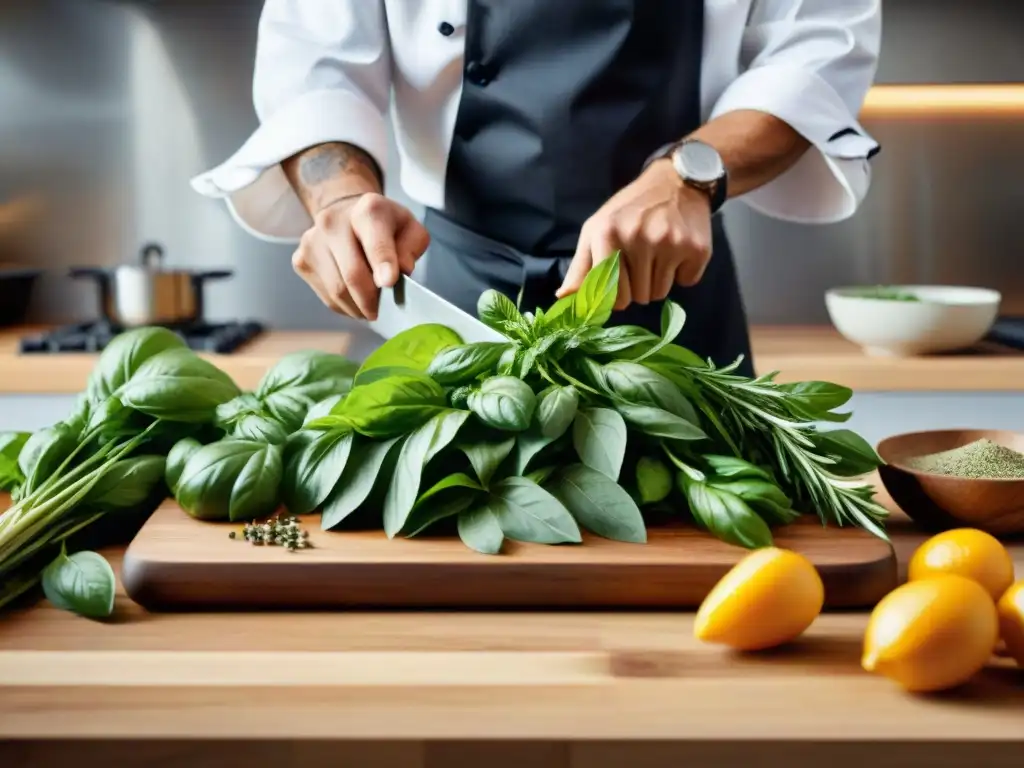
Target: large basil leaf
<point>653,480</point>
<point>128,483</point>
<point>178,456</point>
<point>673,318</point>
<point>765,498</point>
<point>414,348</point>
<point>11,445</point>
<point>639,385</point>
<point>392,406</point>
<point>322,408</point>
<point>209,486</point>
<point>43,453</point>
<point>599,504</point>
<point>504,402</point>
<point>465,362</point>
<point>446,498</point>
<point>255,493</point>
<point>852,453</point>
<point>606,341</point>
<point>599,436</point>
<point>675,356</point>
<point>122,357</point>
<point>487,454</point>
<point>366,468</point>
<point>177,385</point>
<point>526,512</point>
<point>480,530</point>
<point>423,444</point>
<point>657,422</point>
<point>556,411</point>
<point>594,301</point>
<point>301,379</point>
<point>313,468</point>
<point>726,515</point>
<point>815,399</point>
<point>83,583</point>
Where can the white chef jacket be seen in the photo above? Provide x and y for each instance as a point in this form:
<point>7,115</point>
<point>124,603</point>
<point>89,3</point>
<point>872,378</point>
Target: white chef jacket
<point>337,70</point>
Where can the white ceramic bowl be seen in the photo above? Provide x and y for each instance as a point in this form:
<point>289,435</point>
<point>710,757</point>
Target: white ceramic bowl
<point>944,319</point>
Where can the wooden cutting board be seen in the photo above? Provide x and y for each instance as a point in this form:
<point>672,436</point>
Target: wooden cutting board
<point>176,562</point>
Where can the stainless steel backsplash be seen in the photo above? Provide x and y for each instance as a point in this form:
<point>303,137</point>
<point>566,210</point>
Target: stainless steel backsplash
<point>108,108</point>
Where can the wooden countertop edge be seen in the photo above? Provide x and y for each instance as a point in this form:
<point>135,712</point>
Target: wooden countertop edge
<point>798,354</point>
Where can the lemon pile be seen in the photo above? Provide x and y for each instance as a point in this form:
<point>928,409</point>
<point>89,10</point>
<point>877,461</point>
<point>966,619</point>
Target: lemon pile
<point>934,632</point>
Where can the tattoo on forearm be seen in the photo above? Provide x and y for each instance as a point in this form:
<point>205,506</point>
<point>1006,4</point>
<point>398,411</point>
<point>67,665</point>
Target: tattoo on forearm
<point>329,161</point>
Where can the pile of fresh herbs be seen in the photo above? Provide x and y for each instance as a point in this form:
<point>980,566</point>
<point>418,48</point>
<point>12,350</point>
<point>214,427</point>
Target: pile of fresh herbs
<point>566,426</point>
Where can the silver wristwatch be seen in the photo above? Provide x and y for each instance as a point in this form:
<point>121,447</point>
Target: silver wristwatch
<point>699,165</point>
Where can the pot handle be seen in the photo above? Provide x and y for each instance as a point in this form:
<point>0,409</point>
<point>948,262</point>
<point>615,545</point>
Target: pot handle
<point>151,256</point>
<point>198,283</point>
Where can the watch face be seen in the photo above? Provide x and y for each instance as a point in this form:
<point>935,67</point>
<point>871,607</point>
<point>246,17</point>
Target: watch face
<point>699,161</point>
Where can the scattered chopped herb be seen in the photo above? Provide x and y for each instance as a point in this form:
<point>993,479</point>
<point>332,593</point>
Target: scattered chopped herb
<point>883,292</point>
<point>980,459</point>
<point>275,532</point>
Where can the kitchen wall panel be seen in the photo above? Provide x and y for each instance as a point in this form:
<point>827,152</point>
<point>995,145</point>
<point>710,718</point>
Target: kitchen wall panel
<point>107,108</point>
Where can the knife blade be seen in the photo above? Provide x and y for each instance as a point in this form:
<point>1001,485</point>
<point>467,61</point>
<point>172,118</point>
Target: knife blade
<point>409,304</point>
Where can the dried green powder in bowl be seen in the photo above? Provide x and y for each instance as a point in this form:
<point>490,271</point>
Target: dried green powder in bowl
<point>980,459</point>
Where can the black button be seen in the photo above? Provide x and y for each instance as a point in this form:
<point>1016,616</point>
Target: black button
<point>477,73</point>
<point>445,28</point>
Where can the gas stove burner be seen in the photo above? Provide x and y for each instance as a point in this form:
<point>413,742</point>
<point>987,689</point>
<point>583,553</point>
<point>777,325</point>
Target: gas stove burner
<point>218,338</point>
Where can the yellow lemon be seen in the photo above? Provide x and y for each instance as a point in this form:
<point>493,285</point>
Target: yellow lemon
<point>1011,621</point>
<point>931,634</point>
<point>768,598</point>
<point>965,552</point>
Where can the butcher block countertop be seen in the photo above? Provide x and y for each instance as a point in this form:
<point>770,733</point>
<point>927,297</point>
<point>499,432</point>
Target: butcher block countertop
<point>797,352</point>
<point>554,677</point>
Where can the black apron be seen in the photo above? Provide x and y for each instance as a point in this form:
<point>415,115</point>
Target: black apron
<point>562,102</point>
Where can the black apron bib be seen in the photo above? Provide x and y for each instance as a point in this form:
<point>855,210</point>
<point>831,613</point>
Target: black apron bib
<point>562,102</point>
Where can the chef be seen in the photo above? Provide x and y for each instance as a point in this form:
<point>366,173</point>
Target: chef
<point>542,136</point>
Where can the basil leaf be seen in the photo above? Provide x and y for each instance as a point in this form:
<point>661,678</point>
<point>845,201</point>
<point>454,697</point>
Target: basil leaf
<point>11,446</point>
<point>508,360</point>
<point>653,480</point>
<point>731,466</point>
<point>853,454</point>
<point>556,411</point>
<point>261,428</point>
<point>673,355</point>
<point>599,437</point>
<point>178,456</point>
<point>446,498</point>
<point>660,423</point>
<point>255,492</point>
<point>300,380</point>
<point>313,468</point>
<point>673,318</point>
<point>640,385</point>
<point>526,512</point>
<point>177,385</point>
<point>121,358</point>
<point>816,397</point>
<point>606,341</point>
<point>43,453</point>
<point>594,301</point>
<point>226,414</point>
<point>128,483</point>
<point>413,348</point>
<point>497,310</point>
<point>465,362</point>
<point>205,486</point>
<point>83,583</point>
<point>765,498</point>
<point>480,530</point>
<point>423,444</point>
<point>599,504</point>
<point>362,473</point>
<point>540,475</point>
<point>486,455</point>
<point>726,515</point>
<point>322,408</point>
<point>392,406</point>
<point>504,402</point>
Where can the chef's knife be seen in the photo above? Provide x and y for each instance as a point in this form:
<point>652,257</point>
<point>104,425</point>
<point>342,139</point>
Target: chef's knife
<point>409,304</point>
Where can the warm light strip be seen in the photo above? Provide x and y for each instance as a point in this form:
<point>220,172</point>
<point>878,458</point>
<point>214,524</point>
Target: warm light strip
<point>918,100</point>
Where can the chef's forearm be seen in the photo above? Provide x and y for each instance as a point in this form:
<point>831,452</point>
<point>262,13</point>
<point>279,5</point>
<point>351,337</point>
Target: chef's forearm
<point>756,147</point>
<point>323,174</point>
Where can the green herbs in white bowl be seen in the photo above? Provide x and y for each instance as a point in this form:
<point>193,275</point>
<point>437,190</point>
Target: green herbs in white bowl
<point>906,320</point>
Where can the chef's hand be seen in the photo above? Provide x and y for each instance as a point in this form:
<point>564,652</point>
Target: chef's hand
<point>661,226</point>
<point>357,246</point>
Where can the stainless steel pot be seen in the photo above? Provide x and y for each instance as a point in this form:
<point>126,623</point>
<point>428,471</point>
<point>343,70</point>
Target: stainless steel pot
<point>147,294</point>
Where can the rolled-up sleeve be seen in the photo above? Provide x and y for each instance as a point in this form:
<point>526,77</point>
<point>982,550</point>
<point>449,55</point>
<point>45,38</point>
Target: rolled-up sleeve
<point>811,63</point>
<point>322,73</point>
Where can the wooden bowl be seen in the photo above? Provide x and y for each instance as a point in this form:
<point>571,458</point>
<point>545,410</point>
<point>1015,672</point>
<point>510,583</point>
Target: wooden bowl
<point>938,502</point>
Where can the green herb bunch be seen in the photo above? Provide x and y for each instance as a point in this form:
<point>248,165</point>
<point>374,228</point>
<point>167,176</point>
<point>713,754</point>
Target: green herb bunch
<point>92,478</point>
<point>569,425</point>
